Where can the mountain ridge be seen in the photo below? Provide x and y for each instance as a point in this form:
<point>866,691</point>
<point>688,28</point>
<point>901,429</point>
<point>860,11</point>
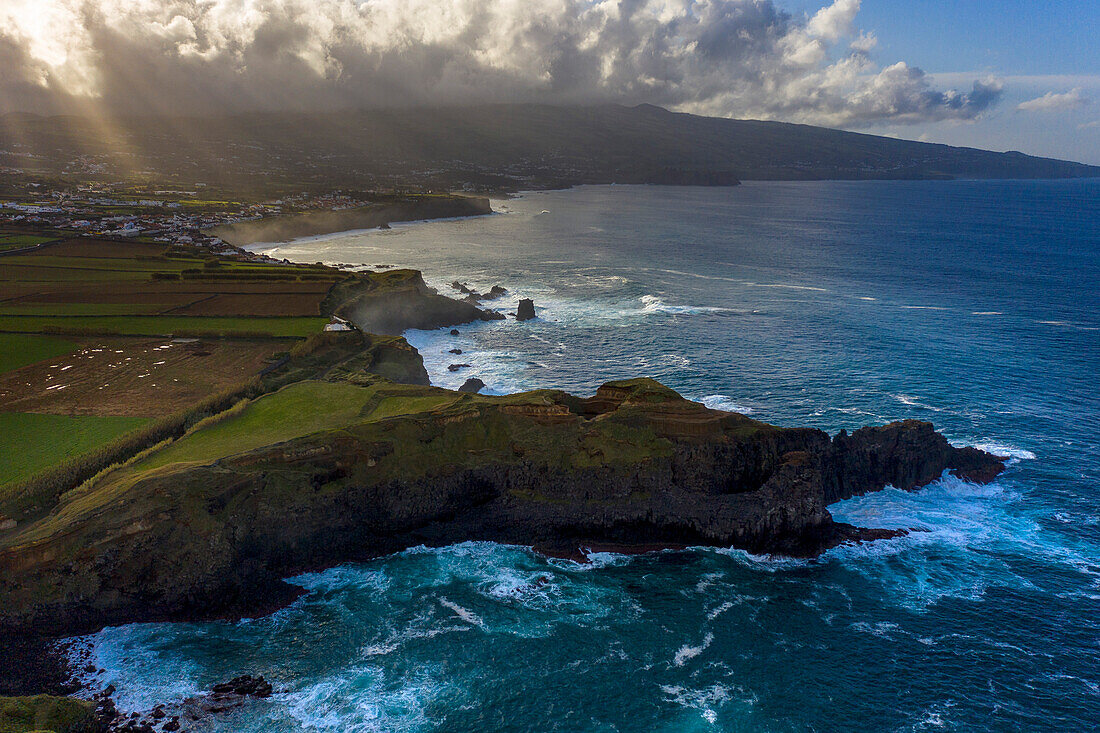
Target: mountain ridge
<point>502,146</point>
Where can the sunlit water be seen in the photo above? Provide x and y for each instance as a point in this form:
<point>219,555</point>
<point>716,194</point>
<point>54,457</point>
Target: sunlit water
<point>973,305</point>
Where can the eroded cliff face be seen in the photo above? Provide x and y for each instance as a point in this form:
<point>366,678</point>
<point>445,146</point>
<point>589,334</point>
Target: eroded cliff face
<point>391,302</point>
<point>211,523</point>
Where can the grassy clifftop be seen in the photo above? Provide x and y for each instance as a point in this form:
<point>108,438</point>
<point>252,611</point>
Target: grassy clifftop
<point>320,466</point>
<point>46,714</point>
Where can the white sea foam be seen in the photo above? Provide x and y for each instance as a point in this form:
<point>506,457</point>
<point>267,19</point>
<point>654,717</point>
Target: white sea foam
<point>883,629</point>
<point>767,563</point>
<point>709,700</point>
<point>654,304</point>
<point>343,577</point>
<point>788,287</point>
<point>1001,449</point>
<point>363,699</point>
<point>463,613</point>
<point>139,663</point>
<point>724,402</point>
<point>961,540</point>
<point>913,401</point>
<point>686,652</point>
<point>718,611</point>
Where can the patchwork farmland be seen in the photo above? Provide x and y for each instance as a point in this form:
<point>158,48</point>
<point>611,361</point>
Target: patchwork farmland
<point>100,337</point>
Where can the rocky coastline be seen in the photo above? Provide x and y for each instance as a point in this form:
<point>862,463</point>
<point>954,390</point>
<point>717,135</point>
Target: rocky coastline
<point>209,529</point>
<point>370,216</point>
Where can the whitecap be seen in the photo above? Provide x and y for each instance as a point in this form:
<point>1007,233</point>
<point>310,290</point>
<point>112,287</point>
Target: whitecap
<point>653,304</point>
<point>686,652</point>
<point>1008,451</point>
<point>912,401</point>
<point>724,403</point>
<point>883,629</point>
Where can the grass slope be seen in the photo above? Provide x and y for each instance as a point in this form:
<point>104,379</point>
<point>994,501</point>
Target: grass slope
<point>299,409</point>
<point>45,714</point>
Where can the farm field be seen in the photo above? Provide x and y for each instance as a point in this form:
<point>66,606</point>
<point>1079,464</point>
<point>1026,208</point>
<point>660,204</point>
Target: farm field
<point>19,241</point>
<point>196,326</point>
<point>99,336</point>
<point>32,442</point>
<point>17,350</point>
<point>132,376</point>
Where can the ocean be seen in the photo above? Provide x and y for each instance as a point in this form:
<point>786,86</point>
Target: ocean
<point>975,305</point>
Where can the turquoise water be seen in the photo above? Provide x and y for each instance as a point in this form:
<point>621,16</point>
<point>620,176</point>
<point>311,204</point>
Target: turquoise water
<point>970,304</point>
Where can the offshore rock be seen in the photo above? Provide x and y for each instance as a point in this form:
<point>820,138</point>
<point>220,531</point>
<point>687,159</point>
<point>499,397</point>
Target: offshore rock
<point>472,385</point>
<point>209,524</point>
<point>526,310</point>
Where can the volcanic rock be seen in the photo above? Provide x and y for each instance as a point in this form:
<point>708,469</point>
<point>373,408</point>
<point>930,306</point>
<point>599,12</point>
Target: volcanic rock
<point>635,466</point>
<point>526,310</point>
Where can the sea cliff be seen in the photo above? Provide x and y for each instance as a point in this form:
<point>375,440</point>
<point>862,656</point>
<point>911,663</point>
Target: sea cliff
<point>352,466</point>
<point>344,451</point>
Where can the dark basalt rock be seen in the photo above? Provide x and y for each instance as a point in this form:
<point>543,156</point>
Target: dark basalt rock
<point>455,351</point>
<point>473,384</point>
<point>391,302</point>
<point>462,288</point>
<point>472,296</point>
<point>454,331</point>
<point>245,685</point>
<point>634,467</point>
<point>526,310</point>
<point>456,367</point>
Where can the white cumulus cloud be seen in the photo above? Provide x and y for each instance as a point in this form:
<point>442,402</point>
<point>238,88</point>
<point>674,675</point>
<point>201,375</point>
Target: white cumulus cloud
<point>1054,102</point>
<point>738,58</point>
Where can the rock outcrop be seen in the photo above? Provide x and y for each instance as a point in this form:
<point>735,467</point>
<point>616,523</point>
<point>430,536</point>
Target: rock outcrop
<point>525,311</point>
<point>211,523</point>
<point>391,302</point>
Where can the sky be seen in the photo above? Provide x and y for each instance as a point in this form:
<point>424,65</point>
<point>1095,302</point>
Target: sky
<point>998,74</point>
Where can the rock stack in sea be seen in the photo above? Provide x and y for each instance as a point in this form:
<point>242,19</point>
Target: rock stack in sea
<point>526,310</point>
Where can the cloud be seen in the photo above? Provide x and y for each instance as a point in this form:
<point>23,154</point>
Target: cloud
<point>1052,102</point>
<point>739,58</point>
<point>1089,125</point>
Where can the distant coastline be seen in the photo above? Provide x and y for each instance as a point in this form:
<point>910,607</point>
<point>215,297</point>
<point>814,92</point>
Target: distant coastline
<point>371,216</point>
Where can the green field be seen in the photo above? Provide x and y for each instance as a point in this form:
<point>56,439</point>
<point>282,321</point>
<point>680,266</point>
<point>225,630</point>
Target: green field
<point>299,409</point>
<point>30,443</point>
<point>207,326</point>
<point>30,273</point>
<point>17,350</point>
<point>14,241</point>
<point>81,309</point>
<point>98,264</point>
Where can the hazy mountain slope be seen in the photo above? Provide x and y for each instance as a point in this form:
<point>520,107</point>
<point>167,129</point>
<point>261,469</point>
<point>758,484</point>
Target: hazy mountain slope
<point>502,145</point>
